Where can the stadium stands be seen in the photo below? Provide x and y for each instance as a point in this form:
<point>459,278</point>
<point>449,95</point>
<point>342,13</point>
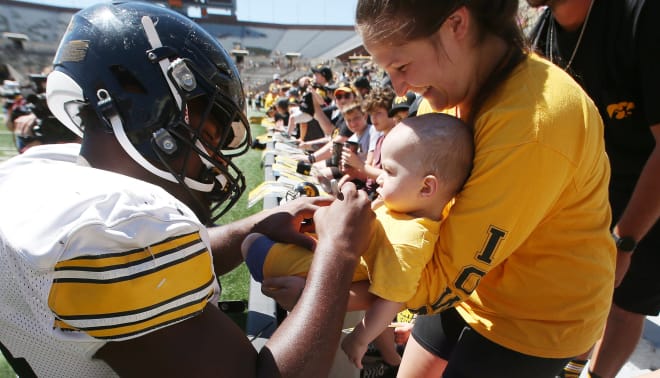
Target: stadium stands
<point>267,44</point>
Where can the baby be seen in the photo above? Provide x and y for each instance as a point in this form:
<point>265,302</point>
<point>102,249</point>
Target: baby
<point>425,162</point>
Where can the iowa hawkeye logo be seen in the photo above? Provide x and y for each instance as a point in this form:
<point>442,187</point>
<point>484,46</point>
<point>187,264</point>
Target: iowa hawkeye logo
<point>620,110</point>
<point>400,100</point>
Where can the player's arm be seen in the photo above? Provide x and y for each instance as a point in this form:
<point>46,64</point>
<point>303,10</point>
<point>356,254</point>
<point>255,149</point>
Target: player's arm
<point>344,230</point>
<point>207,345</point>
<point>282,224</point>
<point>210,344</point>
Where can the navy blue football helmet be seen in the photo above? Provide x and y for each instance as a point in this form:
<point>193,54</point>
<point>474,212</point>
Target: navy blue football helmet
<point>141,68</point>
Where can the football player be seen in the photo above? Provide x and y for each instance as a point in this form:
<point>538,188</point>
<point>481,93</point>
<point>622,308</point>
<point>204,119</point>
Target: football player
<point>106,262</point>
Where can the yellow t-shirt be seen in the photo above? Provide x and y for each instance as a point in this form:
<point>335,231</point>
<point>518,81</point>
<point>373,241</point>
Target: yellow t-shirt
<point>534,216</point>
<point>398,254</point>
<point>393,262</point>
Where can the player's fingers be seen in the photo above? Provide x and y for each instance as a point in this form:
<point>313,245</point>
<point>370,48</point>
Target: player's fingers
<point>347,190</point>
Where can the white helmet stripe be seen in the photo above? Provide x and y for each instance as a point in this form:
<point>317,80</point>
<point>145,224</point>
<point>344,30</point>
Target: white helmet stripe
<point>154,40</point>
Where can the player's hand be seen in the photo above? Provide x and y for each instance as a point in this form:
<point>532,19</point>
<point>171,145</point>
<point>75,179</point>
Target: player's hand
<point>285,223</point>
<point>284,290</point>
<point>344,179</point>
<point>348,223</point>
<point>350,174</point>
<point>354,349</point>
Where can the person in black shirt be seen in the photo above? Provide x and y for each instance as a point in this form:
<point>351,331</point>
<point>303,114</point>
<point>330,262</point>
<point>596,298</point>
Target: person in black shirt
<point>612,48</point>
<point>282,112</point>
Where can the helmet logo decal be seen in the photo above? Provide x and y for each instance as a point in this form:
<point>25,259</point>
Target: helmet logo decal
<point>74,51</point>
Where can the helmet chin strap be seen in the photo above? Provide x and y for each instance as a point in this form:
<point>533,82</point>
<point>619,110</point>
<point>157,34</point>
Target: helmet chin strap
<point>122,138</point>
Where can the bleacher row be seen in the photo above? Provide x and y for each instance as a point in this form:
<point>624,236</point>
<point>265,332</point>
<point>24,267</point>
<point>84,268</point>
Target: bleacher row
<point>45,25</point>
<point>267,44</point>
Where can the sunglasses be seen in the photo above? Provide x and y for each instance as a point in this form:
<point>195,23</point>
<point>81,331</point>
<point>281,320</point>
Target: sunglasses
<point>339,96</point>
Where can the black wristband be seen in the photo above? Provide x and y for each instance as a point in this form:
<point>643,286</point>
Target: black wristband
<point>624,243</point>
<point>311,158</point>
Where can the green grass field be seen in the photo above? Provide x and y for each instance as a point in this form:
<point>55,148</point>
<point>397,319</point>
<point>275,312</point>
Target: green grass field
<point>7,146</point>
<point>235,284</point>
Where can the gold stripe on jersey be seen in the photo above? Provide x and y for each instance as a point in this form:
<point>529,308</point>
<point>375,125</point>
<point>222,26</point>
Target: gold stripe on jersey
<point>122,294</point>
<point>90,262</point>
<point>132,329</point>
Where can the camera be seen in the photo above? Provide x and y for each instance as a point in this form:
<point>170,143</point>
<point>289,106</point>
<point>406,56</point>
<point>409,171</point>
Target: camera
<point>47,128</point>
<point>307,104</point>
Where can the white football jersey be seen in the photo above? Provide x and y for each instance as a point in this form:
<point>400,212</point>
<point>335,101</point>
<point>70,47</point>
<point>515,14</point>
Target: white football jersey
<point>88,257</point>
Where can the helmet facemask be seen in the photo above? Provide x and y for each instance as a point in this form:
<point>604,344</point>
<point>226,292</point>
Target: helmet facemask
<point>217,132</point>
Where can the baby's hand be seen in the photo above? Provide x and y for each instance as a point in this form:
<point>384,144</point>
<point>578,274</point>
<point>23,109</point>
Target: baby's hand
<point>402,332</point>
<point>354,349</point>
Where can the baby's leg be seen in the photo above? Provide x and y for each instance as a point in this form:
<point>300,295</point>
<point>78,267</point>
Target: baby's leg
<point>255,249</point>
<point>385,344</point>
<point>266,258</point>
